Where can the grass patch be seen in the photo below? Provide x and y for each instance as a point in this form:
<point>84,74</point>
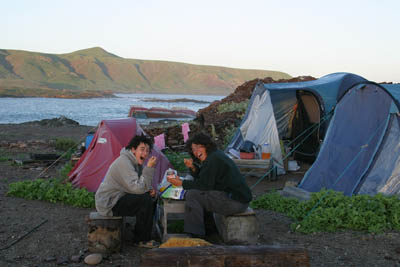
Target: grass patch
<point>331,211</point>
<point>52,190</point>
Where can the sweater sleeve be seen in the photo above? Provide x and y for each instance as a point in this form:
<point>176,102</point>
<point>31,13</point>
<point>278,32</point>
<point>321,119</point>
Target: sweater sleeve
<point>131,181</point>
<point>205,177</point>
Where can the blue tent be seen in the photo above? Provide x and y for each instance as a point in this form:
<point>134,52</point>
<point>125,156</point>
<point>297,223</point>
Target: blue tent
<point>361,150</point>
<point>280,111</point>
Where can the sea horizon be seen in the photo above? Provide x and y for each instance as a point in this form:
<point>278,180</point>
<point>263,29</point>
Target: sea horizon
<point>90,111</point>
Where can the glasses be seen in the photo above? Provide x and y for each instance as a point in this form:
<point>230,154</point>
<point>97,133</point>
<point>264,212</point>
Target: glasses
<point>197,147</point>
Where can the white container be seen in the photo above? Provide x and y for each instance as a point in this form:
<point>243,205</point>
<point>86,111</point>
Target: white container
<point>266,151</point>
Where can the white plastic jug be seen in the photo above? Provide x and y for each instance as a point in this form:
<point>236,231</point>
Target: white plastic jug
<point>266,151</point>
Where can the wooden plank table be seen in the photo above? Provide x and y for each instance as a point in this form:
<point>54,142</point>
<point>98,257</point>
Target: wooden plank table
<point>253,166</point>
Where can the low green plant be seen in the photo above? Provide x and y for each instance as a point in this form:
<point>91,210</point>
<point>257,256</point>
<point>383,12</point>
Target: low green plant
<point>228,134</point>
<point>329,211</point>
<point>65,144</point>
<point>65,170</point>
<point>233,106</point>
<point>4,156</point>
<point>176,159</point>
<point>52,190</point>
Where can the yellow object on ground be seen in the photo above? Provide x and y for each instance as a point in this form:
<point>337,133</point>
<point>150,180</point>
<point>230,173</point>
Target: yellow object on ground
<point>174,242</point>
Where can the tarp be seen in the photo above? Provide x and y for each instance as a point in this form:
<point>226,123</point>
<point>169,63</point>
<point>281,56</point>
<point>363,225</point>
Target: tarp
<point>360,152</point>
<point>111,136</point>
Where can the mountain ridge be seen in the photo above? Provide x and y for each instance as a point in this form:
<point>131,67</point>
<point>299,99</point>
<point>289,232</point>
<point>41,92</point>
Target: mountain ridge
<point>24,73</point>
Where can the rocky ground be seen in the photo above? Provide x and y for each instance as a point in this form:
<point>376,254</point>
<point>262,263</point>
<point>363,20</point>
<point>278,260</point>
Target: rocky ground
<point>55,234</point>
<point>37,233</point>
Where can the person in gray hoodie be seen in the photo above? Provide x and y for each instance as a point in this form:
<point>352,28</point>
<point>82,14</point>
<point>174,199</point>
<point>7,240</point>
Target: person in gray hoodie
<point>126,189</point>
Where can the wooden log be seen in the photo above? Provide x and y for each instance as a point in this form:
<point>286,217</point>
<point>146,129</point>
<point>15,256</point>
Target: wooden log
<point>225,256</point>
<point>104,234</point>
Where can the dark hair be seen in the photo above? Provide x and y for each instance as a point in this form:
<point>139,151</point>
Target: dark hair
<point>201,139</point>
<point>137,139</point>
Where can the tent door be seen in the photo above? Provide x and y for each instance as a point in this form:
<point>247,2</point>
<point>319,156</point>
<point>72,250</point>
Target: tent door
<point>307,114</point>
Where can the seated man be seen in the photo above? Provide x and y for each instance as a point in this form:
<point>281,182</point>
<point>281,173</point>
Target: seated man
<point>218,185</point>
<point>126,189</point>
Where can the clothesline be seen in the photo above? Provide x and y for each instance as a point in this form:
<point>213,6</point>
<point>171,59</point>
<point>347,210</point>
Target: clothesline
<point>159,140</point>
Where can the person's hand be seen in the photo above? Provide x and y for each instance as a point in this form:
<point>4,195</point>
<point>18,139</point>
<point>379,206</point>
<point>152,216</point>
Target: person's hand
<point>152,192</point>
<point>174,179</point>
<point>152,162</point>
<point>189,163</point>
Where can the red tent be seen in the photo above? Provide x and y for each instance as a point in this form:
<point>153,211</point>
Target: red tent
<point>105,147</point>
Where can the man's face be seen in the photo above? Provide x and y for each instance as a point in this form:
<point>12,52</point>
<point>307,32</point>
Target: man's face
<point>199,151</point>
<point>141,152</point>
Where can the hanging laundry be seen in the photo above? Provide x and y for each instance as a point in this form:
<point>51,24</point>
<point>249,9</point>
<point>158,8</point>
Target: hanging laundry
<point>159,141</point>
<point>185,131</point>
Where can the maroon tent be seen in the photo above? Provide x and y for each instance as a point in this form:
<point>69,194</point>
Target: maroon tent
<point>110,137</point>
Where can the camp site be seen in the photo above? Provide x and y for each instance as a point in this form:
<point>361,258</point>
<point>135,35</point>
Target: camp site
<point>320,156</point>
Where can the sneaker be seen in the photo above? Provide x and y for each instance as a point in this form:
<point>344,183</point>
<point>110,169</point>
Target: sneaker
<point>148,244</point>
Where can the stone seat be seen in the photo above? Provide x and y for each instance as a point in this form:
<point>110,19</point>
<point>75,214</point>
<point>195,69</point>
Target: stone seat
<point>104,233</point>
<point>240,228</point>
<point>94,215</point>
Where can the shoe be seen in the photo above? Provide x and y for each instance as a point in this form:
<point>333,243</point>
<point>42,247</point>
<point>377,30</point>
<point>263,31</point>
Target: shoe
<point>148,244</point>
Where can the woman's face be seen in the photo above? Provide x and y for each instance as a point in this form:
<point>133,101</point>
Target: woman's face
<point>141,152</point>
<point>199,151</point>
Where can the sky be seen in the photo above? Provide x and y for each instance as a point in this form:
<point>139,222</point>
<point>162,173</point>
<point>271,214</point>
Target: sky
<point>296,37</point>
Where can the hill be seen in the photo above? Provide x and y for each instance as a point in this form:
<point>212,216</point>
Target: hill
<point>94,72</point>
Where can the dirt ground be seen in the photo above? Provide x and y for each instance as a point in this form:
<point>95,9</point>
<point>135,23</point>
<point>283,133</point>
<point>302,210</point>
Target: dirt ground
<point>56,234</point>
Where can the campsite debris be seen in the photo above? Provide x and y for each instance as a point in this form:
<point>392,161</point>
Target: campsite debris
<point>93,259</point>
<point>226,256</point>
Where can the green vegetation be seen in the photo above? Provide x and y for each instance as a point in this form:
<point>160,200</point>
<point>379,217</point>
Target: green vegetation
<point>176,160</point>
<point>329,211</point>
<point>85,72</point>
<point>229,132</point>
<point>233,106</point>
<point>65,144</point>
<point>4,156</point>
<point>52,190</point>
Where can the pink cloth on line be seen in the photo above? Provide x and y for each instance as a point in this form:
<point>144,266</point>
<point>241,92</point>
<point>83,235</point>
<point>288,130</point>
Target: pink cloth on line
<point>185,131</point>
<point>159,141</point>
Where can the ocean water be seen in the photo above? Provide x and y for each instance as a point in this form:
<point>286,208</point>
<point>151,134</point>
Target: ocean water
<point>91,111</point>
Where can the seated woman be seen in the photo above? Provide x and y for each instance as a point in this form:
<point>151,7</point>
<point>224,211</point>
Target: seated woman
<point>218,185</point>
<point>126,189</point>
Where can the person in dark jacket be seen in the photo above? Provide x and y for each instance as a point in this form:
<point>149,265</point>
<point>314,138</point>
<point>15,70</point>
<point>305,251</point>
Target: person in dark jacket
<point>218,185</point>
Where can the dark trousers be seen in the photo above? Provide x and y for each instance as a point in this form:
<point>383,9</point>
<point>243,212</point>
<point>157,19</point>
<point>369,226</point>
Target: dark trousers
<point>140,206</point>
<point>198,202</point>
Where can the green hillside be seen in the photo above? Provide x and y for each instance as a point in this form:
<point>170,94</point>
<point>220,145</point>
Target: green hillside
<point>95,71</point>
